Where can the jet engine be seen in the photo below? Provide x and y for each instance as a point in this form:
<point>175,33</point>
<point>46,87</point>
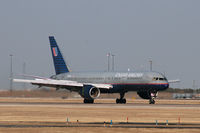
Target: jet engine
<point>89,92</point>
<point>144,94</point>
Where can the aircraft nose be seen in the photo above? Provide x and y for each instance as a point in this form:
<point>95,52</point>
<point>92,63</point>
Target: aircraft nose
<point>167,85</point>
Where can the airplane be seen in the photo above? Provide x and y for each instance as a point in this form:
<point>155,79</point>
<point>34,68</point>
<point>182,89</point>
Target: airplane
<point>91,84</point>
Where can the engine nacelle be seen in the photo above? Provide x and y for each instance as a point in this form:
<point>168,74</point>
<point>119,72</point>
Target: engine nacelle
<point>89,92</point>
<point>148,94</point>
<point>144,94</point>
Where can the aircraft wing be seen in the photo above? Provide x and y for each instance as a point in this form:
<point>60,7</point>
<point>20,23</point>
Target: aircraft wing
<point>61,83</point>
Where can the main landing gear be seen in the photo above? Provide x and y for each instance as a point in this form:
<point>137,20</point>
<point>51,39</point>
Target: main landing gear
<point>122,99</point>
<point>88,100</point>
<point>153,95</point>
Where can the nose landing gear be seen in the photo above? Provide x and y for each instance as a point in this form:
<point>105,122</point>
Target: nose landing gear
<point>153,95</point>
<point>151,101</point>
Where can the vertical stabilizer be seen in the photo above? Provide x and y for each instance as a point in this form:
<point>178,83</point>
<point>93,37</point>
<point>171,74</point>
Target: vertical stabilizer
<point>59,62</point>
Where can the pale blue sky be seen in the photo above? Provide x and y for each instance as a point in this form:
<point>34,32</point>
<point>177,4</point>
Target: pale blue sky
<point>167,31</point>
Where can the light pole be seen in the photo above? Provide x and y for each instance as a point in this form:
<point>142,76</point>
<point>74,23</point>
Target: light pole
<point>11,73</point>
<point>113,62</point>
<point>194,86</point>
<point>24,72</point>
<point>108,55</point>
<point>151,62</point>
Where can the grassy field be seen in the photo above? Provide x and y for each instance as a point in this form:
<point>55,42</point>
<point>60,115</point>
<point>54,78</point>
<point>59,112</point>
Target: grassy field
<point>97,114</point>
<point>36,110</point>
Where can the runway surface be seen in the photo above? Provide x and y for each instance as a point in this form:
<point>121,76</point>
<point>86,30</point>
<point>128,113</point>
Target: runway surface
<point>112,105</point>
<point>77,103</point>
<point>98,124</point>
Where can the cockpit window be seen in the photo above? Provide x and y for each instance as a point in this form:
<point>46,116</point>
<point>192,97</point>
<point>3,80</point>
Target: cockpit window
<point>161,78</point>
<point>154,79</point>
<point>157,78</point>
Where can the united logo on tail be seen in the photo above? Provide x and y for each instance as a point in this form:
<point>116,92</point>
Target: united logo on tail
<point>55,51</point>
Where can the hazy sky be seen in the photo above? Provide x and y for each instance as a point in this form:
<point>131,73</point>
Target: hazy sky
<point>166,31</point>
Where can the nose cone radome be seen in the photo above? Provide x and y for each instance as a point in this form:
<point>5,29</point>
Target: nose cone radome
<point>166,85</point>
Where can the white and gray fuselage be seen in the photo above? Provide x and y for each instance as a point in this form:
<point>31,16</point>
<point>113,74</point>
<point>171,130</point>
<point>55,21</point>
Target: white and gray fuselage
<point>121,81</point>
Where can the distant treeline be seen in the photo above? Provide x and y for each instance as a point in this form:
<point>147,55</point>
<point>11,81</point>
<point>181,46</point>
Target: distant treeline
<point>187,90</point>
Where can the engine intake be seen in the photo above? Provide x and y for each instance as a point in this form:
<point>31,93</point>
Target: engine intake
<point>89,92</point>
<point>144,94</point>
<point>94,92</point>
<point>148,94</point>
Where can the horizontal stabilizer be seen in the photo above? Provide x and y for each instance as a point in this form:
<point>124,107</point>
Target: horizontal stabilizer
<point>174,81</point>
<point>32,76</point>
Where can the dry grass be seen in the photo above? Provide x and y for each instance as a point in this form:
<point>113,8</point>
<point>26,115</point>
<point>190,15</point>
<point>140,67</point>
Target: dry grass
<point>37,112</point>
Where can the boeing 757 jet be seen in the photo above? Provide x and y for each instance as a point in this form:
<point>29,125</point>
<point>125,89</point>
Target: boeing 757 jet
<point>91,84</point>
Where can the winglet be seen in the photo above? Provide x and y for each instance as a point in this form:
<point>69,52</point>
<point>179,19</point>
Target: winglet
<point>59,62</point>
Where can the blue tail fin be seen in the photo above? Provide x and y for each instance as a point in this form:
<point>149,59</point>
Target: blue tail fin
<point>59,63</point>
